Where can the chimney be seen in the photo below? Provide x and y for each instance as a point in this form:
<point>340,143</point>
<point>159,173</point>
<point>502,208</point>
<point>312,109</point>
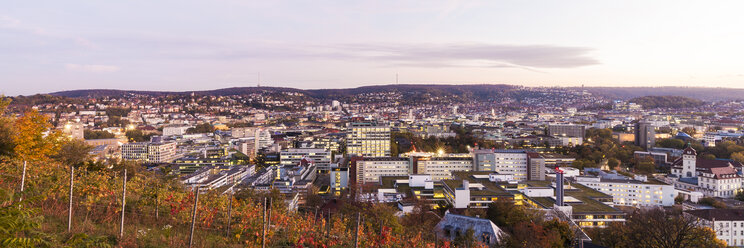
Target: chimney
<point>559,187</point>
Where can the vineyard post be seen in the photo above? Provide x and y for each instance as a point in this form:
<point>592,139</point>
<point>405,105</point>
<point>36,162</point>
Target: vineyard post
<point>229,213</point>
<point>263,223</point>
<point>268,220</point>
<point>193,217</point>
<point>23,179</point>
<point>69,215</point>
<point>356,231</point>
<point>157,202</point>
<point>328,226</point>
<point>123,203</point>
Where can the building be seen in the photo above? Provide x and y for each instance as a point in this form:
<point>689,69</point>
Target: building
<point>75,130</point>
<point>645,135</point>
<point>243,132</point>
<point>716,178</point>
<point>453,226</point>
<point>728,224</point>
<point>339,178</point>
<point>632,192</point>
<point>567,130</point>
<point>368,140</point>
<point>441,168</point>
<point>509,162</point>
<point>369,170</point>
<point>174,130</point>
<point>710,139</point>
<point>660,158</point>
<point>537,163</point>
<point>293,156</point>
<point>475,190</point>
<point>149,152</point>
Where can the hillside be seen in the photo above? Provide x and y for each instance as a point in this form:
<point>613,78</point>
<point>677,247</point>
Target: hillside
<point>408,91</point>
<point>701,93</point>
<point>651,102</point>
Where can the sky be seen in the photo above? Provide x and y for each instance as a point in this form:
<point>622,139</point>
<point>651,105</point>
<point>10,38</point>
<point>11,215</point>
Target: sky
<point>49,46</point>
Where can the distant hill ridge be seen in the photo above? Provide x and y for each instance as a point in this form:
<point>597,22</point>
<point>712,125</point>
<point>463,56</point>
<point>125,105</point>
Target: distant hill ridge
<point>479,91</point>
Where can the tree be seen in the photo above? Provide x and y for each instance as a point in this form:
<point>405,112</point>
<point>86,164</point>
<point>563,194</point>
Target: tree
<point>74,152</point>
<point>671,143</point>
<point>137,135</point>
<point>689,131</point>
<point>93,134</point>
<point>6,129</point>
<point>201,128</point>
<point>656,227</point>
<point>739,196</point>
<point>29,139</point>
<point>738,157</point>
<point>645,166</point>
<point>613,163</point>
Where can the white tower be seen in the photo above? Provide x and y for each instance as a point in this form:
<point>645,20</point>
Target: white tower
<point>689,160</point>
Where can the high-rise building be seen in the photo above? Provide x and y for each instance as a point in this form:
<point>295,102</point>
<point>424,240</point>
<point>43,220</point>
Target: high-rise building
<point>368,140</point>
<point>645,135</point>
<point>566,130</point>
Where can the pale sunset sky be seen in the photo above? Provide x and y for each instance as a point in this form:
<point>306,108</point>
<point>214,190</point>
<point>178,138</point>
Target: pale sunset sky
<point>48,46</point>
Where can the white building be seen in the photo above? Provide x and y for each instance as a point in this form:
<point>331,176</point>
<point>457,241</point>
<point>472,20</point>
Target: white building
<point>442,168</point>
<point>505,162</point>
<point>716,178</point>
<point>292,156</point>
<point>370,170</point>
<point>728,224</point>
<point>174,130</point>
<point>149,152</point>
<point>632,192</point>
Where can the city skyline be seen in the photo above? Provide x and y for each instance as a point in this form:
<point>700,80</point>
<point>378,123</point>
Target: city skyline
<point>188,46</point>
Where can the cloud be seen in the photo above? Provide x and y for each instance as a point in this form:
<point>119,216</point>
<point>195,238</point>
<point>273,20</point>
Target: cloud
<point>11,24</point>
<point>529,57</point>
<point>91,68</point>
<point>475,55</point>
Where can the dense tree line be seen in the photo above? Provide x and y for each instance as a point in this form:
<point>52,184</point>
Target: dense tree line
<point>655,227</point>
<point>95,134</point>
<point>651,102</point>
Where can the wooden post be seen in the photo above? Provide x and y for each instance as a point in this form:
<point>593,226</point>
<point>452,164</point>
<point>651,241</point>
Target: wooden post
<point>157,206</point>
<point>69,215</point>
<point>263,223</point>
<point>229,214</point>
<point>193,217</point>
<point>356,231</point>
<point>315,217</point>
<point>123,203</point>
<point>23,179</point>
<point>268,220</point>
<point>328,227</point>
